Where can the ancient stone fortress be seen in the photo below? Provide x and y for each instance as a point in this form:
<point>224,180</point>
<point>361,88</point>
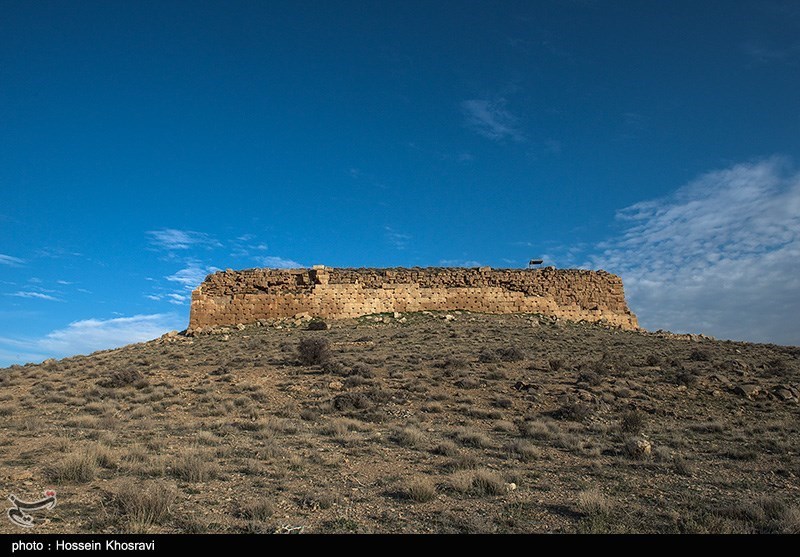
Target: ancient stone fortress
<point>233,297</point>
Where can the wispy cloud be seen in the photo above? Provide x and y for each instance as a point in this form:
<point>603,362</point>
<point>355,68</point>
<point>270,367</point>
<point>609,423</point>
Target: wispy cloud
<point>36,295</point>
<point>720,256</point>
<point>89,335</point>
<point>398,239</point>
<point>56,253</point>
<point>762,53</point>
<point>491,119</point>
<point>459,263</point>
<point>172,239</point>
<point>192,275</point>
<point>244,245</point>
<point>11,261</point>
<point>274,262</point>
<point>177,299</point>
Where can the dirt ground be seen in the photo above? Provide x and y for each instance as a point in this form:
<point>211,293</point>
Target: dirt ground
<point>420,423</point>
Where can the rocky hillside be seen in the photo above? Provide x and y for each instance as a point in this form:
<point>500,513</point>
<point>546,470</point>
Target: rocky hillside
<point>419,422</point>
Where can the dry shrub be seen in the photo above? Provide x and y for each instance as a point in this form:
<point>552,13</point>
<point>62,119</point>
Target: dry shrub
<point>633,422</point>
<point>122,378</point>
<point>313,351</point>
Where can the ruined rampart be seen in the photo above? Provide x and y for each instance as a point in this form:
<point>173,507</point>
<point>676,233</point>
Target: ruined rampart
<point>232,297</point>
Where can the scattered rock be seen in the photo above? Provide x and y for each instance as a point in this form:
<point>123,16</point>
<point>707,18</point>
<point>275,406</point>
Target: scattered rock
<point>240,326</point>
<point>336,385</point>
<point>638,447</point>
<point>318,325</point>
<point>785,393</point>
<point>737,366</point>
<point>397,315</point>
<point>449,317</point>
<point>750,391</point>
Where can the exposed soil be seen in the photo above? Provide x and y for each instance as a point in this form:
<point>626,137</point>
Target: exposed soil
<point>477,423</point>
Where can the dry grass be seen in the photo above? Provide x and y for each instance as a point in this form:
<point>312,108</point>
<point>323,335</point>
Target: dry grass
<point>420,489</point>
<point>593,502</point>
<point>472,438</point>
<point>143,505</point>
<point>410,437</point>
<point>77,467</point>
<point>480,482</point>
<point>523,450</point>
<point>259,510</point>
<point>194,467</point>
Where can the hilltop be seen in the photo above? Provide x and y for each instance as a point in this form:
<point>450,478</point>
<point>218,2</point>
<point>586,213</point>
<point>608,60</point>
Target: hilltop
<point>412,422</point>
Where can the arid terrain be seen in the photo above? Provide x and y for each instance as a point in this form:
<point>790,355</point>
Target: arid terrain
<point>414,423</point>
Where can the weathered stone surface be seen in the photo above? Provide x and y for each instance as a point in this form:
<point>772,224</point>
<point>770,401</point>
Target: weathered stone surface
<point>749,391</point>
<point>232,297</point>
<point>786,393</point>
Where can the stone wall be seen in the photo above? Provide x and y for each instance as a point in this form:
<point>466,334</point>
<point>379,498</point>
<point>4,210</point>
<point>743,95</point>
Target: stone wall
<point>231,297</point>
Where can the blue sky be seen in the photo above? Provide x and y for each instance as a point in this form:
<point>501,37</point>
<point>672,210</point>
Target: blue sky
<point>145,144</point>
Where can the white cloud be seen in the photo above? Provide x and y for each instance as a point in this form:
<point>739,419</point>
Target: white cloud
<point>459,263</point>
<point>177,299</point>
<point>172,239</point>
<point>398,239</point>
<point>721,256</point>
<point>10,261</point>
<point>89,335</point>
<point>36,295</point>
<point>190,277</point>
<point>491,119</point>
<point>277,262</point>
